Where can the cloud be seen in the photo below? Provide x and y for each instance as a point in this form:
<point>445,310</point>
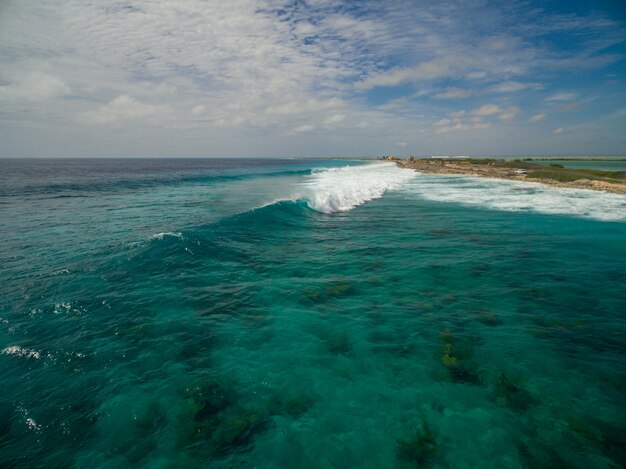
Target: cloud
<point>562,97</point>
<point>514,87</point>
<point>443,121</point>
<point>569,107</point>
<point>308,106</point>
<point>34,86</point>
<point>558,131</point>
<point>487,110</point>
<point>537,117</point>
<point>123,108</point>
<point>453,93</point>
<point>248,72</point>
<point>334,119</point>
<point>510,113</point>
<point>401,144</point>
<point>482,125</point>
<point>429,70</point>
<point>304,128</point>
<point>197,110</point>
<point>462,126</point>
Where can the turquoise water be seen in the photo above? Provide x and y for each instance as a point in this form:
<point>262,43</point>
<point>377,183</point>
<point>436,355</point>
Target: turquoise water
<point>604,165</point>
<point>306,314</point>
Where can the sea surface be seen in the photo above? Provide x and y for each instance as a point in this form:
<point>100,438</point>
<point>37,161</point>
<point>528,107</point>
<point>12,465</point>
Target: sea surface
<point>306,314</point>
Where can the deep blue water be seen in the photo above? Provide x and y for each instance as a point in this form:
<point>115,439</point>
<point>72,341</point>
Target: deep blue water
<point>292,313</point>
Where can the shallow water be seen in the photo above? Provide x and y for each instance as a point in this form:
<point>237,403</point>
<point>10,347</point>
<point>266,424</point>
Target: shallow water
<point>288,315</point>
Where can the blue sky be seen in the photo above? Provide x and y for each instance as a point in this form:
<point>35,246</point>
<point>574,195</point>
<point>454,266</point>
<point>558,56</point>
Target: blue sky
<point>311,78</point>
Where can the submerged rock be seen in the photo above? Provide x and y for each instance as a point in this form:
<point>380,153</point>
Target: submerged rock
<point>421,450</point>
<point>311,295</point>
<point>294,406</point>
<point>488,318</point>
<point>339,289</point>
<point>540,455</point>
<point>338,343</point>
<point>607,437</point>
<point>509,392</point>
<point>237,430</point>
<point>459,371</point>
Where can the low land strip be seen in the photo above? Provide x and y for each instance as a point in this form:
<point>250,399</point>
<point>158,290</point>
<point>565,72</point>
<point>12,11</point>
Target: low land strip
<point>518,170</point>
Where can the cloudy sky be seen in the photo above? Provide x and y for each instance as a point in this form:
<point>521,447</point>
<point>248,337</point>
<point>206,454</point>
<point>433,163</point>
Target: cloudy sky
<point>311,77</point>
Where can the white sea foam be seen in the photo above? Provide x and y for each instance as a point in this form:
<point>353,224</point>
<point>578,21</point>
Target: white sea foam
<point>341,189</point>
<point>168,233</point>
<point>21,352</point>
<point>508,195</point>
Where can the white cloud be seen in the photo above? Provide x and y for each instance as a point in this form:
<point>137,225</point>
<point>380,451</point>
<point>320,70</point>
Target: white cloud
<point>401,144</point>
<point>443,121</point>
<point>334,119</point>
<point>538,117</point>
<point>476,75</point>
<point>453,93</point>
<point>429,70</point>
<point>34,86</point>
<point>487,110</point>
<point>197,110</point>
<point>304,128</point>
<point>510,113</point>
<point>562,97</point>
<point>308,106</point>
<point>122,108</point>
<point>514,87</point>
<point>461,127</point>
<point>558,131</point>
<point>250,71</point>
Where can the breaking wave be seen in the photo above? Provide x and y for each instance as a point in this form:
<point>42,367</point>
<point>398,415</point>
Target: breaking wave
<point>516,196</point>
<point>342,189</point>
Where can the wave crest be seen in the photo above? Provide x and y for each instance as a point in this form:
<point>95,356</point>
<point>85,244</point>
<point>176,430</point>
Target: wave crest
<point>342,189</point>
<point>515,196</point>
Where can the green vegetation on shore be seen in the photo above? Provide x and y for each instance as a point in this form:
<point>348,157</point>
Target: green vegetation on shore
<point>575,159</point>
<point>554,171</point>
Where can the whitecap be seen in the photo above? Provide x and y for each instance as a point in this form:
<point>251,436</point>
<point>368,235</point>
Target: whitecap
<point>342,189</point>
<point>499,194</point>
<point>21,352</point>
<point>166,234</point>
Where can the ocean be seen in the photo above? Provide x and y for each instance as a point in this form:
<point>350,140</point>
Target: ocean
<point>306,313</point>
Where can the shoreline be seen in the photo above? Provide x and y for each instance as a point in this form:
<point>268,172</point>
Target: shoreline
<point>514,171</point>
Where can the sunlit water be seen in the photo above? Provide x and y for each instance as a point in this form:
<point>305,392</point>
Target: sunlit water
<point>306,314</point>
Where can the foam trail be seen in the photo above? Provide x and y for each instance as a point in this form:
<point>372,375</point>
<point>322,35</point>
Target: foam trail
<point>342,189</point>
<point>516,196</point>
<point>164,234</point>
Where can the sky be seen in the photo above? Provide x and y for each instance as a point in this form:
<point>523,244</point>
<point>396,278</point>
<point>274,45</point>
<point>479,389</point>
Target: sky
<point>311,78</point>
